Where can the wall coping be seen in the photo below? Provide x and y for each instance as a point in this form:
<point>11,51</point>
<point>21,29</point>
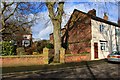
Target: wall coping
<point>22,56</point>
<point>76,54</point>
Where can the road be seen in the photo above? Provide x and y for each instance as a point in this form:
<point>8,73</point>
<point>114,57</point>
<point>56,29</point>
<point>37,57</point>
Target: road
<point>95,70</point>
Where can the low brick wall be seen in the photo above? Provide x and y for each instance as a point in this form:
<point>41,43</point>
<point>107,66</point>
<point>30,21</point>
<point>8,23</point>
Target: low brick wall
<point>76,58</point>
<point>25,60</point>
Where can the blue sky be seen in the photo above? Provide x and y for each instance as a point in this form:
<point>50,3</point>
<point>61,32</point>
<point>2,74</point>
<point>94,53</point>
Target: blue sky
<point>41,30</point>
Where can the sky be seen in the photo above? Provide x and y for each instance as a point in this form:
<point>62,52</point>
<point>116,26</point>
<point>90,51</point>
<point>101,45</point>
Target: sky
<point>44,26</point>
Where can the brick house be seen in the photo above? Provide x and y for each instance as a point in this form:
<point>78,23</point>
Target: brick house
<point>21,35</point>
<point>24,38</point>
<point>85,32</point>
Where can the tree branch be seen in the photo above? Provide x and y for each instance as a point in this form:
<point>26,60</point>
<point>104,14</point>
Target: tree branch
<point>5,6</point>
<point>60,11</point>
<point>50,9</point>
<point>11,13</point>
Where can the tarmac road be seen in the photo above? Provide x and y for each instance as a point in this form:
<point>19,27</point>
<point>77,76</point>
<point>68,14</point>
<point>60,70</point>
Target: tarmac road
<point>94,71</point>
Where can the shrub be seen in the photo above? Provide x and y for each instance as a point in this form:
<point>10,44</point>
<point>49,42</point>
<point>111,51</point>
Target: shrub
<point>50,46</point>
<point>7,48</point>
<point>21,51</point>
<point>42,44</point>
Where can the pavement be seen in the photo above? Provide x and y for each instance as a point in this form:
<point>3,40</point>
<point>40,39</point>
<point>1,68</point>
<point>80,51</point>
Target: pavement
<point>93,71</point>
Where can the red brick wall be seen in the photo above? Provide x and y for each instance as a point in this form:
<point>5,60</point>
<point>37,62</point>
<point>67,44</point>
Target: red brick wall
<point>79,34</point>
<point>22,61</point>
<point>77,58</point>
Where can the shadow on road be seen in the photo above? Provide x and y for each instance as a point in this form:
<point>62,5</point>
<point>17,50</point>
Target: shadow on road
<point>90,70</point>
<point>88,67</point>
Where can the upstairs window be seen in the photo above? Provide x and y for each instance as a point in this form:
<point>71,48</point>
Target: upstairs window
<point>102,28</point>
<point>117,31</point>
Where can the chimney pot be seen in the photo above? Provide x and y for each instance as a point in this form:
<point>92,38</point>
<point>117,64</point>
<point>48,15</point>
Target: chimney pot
<point>105,16</point>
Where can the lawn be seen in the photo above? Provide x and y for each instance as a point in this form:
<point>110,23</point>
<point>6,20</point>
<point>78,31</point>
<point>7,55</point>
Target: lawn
<point>48,67</point>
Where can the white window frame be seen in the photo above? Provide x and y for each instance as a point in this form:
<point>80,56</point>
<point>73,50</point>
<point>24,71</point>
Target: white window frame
<point>103,46</point>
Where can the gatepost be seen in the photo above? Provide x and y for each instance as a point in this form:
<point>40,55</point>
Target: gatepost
<point>45,53</point>
<point>62,55</point>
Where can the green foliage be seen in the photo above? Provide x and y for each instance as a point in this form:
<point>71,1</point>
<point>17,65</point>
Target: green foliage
<point>42,44</point>
<point>65,45</point>
<point>21,51</point>
<point>50,46</point>
<point>7,48</point>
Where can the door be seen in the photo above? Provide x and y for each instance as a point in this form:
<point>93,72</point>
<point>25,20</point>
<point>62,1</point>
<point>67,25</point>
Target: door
<point>95,50</point>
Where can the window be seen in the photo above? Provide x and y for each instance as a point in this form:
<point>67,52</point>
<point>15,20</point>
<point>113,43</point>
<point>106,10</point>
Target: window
<point>26,43</point>
<point>103,46</point>
<point>117,32</point>
<point>102,28</point>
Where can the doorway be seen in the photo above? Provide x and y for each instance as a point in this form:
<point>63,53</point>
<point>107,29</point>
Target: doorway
<point>95,50</point>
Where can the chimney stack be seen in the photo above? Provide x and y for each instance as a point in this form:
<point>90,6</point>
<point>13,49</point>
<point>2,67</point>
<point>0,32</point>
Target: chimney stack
<point>92,12</point>
<point>119,22</point>
<point>105,17</point>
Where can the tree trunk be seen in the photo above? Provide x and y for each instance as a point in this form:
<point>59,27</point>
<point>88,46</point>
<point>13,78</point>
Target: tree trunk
<point>56,21</point>
<point>57,40</point>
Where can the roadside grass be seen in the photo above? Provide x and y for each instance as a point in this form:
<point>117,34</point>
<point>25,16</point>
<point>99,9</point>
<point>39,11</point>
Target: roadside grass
<point>48,66</point>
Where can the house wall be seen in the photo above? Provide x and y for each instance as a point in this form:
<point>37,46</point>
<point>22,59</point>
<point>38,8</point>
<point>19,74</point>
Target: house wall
<point>107,35</point>
<point>21,37</point>
<point>118,37</point>
<point>76,36</point>
<point>79,33</point>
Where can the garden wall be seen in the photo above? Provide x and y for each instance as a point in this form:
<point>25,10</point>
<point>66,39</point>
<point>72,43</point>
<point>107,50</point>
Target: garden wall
<point>22,60</point>
<point>25,60</point>
<point>76,57</point>
<point>66,58</point>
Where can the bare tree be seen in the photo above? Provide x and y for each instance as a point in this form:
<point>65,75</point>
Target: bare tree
<point>56,18</point>
<point>16,15</point>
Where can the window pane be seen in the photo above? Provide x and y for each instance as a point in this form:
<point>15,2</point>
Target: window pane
<point>103,46</point>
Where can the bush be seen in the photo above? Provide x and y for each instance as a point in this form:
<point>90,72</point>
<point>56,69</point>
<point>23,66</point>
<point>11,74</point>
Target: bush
<point>21,51</point>
<point>7,48</point>
<point>42,44</point>
<point>50,46</point>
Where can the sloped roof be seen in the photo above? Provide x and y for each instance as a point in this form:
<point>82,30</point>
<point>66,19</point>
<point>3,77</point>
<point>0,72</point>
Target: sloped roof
<point>98,18</point>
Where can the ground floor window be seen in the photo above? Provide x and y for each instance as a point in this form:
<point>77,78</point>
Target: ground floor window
<point>103,46</point>
<point>26,43</point>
